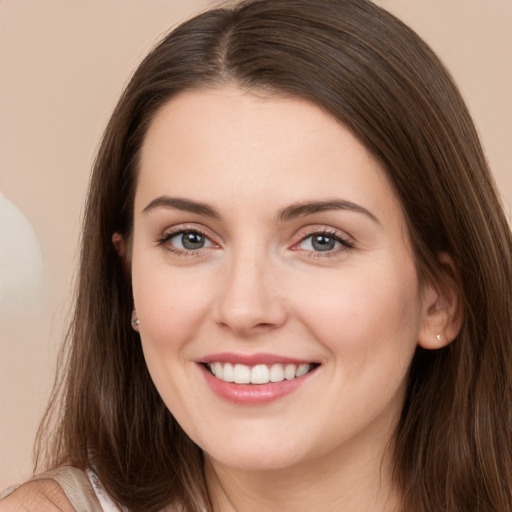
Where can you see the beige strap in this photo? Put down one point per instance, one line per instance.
(8, 491)
(76, 486)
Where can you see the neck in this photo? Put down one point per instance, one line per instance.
(352, 479)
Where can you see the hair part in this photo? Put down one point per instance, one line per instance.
(453, 447)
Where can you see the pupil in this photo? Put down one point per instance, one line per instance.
(323, 243)
(192, 240)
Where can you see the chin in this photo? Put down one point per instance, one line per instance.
(257, 454)
(254, 461)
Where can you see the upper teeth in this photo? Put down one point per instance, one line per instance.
(259, 374)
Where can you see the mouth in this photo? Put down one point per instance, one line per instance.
(259, 373)
(256, 379)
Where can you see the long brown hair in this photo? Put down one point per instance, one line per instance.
(453, 445)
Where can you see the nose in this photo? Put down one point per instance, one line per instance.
(251, 300)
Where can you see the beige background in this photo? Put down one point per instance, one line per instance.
(62, 67)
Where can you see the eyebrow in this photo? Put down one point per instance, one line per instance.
(290, 212)
(186, 205)
(308, 208)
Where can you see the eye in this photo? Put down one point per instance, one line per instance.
(324, 242)
(186, 240)
(190, 240)
(319, 242)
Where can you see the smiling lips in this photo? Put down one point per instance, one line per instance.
(255, 379)
(258, 374)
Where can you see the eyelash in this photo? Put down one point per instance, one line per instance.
(344, 242)
(164, 241)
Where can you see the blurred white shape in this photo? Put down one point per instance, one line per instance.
(21, 259)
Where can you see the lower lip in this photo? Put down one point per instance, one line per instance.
(252, 394)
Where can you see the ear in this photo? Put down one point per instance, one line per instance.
(121, 245)
(442, 310)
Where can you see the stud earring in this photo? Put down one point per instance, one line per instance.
(438, 338)
(135, 320)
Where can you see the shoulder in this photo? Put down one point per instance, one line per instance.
(62, 489)
(44, 495)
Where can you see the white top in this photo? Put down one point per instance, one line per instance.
(105, 500)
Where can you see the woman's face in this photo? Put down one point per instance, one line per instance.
(269, 248)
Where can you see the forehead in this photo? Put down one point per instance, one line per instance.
(206, 142)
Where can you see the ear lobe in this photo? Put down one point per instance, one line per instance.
(135, 321)
(442, 311)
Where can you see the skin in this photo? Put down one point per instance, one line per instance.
(40, 496)
(258, 285)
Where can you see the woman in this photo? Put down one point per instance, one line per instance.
(295, 281)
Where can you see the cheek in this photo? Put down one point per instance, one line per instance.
(369, 325)
(170, 306)
(365, 316)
